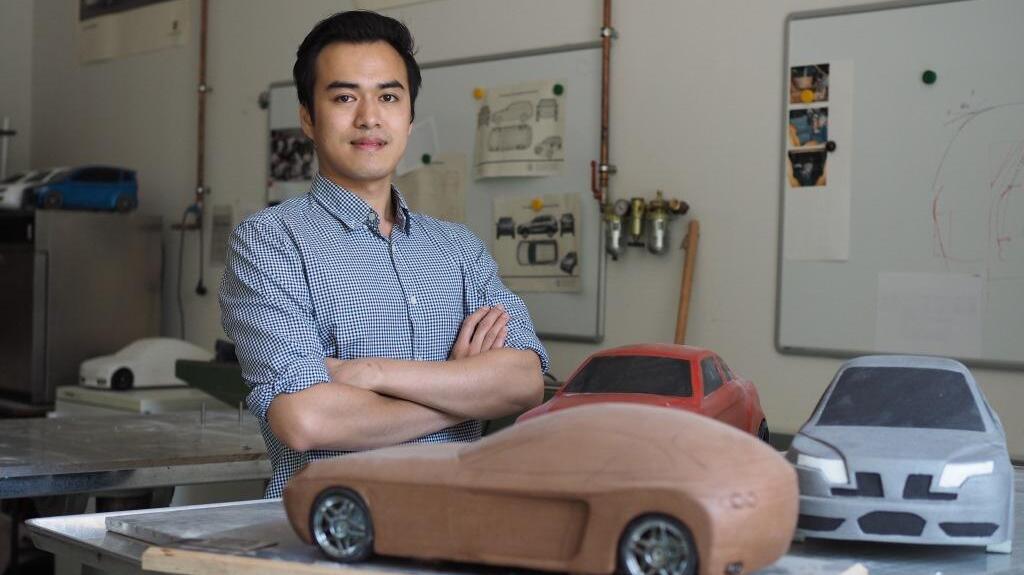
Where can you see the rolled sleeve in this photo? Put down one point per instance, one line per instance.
(491, 291)
(267, 311)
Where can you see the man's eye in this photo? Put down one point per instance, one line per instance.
(389, 98)
(343, 98)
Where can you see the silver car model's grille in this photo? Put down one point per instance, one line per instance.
(891, 523)
(918, 487)
(868, 485)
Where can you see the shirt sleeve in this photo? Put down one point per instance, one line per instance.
(267, 311)
(491, 291)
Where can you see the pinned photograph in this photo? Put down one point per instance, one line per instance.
(291, 156)
(808, 128)
(806, 168)
(808, 84)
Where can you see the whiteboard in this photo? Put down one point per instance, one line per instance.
(446, 100)
(933, 175)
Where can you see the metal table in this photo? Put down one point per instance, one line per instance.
(58, 456)
(85, 539)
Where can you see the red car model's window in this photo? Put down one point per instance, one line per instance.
(712, 379)
(633, 374)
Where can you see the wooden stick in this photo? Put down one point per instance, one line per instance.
(690, 245)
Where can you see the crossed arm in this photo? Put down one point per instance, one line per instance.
(374, 402)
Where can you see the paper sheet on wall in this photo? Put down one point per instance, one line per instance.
(292, 164)
(521, 130)
(938, 314)
(537, 250)
(116, 28)
(438, 189)
(422, 144)
(817, 186)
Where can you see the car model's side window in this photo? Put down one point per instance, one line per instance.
(725, 368)
(712, 379)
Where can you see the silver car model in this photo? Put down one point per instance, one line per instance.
(905, 449)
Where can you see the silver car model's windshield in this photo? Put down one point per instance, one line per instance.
(902, 397)
(634, 374)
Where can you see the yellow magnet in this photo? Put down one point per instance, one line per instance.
(807, 96)
(479, 93)
(537, 204)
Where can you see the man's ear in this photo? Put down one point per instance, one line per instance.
(306, 121)
(410, 129)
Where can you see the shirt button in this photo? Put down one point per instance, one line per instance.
(412, 300)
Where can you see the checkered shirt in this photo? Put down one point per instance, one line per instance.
(313, 278)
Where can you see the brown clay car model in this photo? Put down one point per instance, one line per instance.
(613, 487)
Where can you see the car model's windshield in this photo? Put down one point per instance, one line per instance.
(12, 179)
(902, 397)
(633, 374)
(37, 177)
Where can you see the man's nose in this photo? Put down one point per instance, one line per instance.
(368, 114)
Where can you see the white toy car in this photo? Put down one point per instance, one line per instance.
(12, 190)
(147, 362)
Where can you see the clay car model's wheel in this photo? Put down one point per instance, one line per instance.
(341, 525)
(762, 432)
(53, 200)
(657, 544)
(124, 204)
(122, 379)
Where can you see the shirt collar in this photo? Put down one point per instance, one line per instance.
(352, 210)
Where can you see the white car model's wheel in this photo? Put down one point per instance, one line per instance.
(341, 525)
(657, 544)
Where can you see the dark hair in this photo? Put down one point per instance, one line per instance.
(355, 27)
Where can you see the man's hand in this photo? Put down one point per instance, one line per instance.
(483, 330)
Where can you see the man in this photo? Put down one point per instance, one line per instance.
(358, 323)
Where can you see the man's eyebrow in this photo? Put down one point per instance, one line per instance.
(338, 85)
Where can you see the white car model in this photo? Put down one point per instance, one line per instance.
(12, 190)
(147, 362)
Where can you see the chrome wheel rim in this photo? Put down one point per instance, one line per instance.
(657, 546)
(341, 527)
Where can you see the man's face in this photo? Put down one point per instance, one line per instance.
(363, 113)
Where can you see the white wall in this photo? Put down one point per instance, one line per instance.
(696, 90)
(16, 80)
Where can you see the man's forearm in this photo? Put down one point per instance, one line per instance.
(341, 417)
(492, 384)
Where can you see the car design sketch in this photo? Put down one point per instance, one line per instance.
(678, 494)
(668, 375)
(537, 252)
(547, 108)
(905, 449)
(542, 224)
(548, 146)
(506, 227)
(568, 263)
(91, 188)
(567, 224)
(507, 138)
(520, 112)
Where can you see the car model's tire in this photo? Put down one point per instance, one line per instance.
(341, 525)
(53, 201)
(762, 432)
(657, 544)
(122, 379)
(124, 204)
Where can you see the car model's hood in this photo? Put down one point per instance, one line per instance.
(574, 399)
(864, 444)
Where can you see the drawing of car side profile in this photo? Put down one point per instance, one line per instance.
(91, 188)
(506, 227)
(537, 252)
(542, 224)
(506, 138)
(905, 449)
(631, 489)
(547, 108)
(520, 112)
(567, 224)
(548, 146)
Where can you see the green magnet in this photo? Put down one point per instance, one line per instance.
(929, 77)
(558, 89)
(425, 158)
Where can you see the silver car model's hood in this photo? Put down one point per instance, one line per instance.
(865, 444)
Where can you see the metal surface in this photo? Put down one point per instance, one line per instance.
(85, 538)
(87, 454)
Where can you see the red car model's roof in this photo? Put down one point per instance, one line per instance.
(657, 349)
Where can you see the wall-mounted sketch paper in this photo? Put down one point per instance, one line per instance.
(292, 164)
(378, 5)
(521, 130)
(537, 250)
(422, 143)
(438, 189)
(114, 28)
(817, 186)
(937, 314)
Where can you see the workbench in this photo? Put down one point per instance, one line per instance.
(233, 528)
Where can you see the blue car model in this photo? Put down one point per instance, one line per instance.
(90, 188)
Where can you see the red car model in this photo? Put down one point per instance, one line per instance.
(679, 376)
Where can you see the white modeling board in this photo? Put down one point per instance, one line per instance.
(934, 259)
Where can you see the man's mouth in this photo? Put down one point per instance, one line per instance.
(369, 144)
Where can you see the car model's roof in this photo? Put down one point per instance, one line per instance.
(922, 361)
(657, 349)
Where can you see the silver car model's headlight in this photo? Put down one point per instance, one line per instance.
(954, 474)
(834, 470)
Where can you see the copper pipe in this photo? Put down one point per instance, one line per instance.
(690, 245)
(601, 194)
(202, 91)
